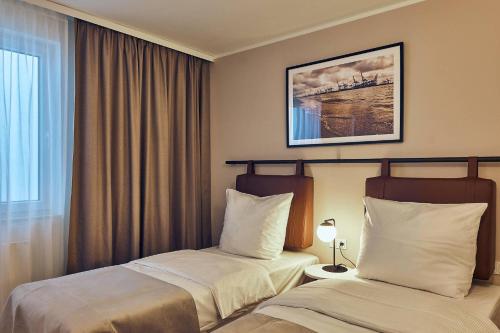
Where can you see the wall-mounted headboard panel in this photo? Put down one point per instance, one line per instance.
(299, 232)
(443, 191)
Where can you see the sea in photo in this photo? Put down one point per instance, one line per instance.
(356, 112)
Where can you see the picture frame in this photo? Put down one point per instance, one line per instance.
(355, 98)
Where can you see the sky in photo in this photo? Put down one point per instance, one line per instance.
(325, 77)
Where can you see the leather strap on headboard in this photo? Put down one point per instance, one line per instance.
(250, 168)
(299, 168)
(299, 232)
(385, 168)
(446, 191)
(472, 168)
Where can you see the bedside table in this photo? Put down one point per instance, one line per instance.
(316, 272)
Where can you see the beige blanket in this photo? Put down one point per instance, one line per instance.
(112, 299)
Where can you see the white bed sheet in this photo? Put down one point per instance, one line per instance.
(483, 300)
(285, 272)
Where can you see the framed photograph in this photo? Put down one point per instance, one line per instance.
(351, 99)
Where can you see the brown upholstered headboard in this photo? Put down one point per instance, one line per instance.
(447, 190)
(299, 231)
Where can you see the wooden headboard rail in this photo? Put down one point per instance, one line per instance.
(443, 191)
(299, 232)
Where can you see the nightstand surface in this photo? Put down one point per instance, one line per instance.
(316, 272)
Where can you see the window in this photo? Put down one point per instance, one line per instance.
(36, 132)
(19, 127)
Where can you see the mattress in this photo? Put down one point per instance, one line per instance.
(483, 301)
(285, 272)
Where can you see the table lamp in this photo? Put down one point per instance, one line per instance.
(327, 232)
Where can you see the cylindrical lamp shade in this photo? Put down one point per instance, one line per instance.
(326, 232)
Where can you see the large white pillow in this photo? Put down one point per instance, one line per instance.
(419, 245)
(255, 226)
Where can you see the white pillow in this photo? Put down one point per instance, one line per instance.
(419, 245)
(255, 226)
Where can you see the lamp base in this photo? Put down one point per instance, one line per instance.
(335, 269)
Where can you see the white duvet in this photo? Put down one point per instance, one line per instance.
(357, 305)
(233, 283)
(285, 273)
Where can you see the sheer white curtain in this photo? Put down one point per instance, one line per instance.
(36, 135)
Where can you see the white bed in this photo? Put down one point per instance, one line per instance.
(285, 273)
(482, 302)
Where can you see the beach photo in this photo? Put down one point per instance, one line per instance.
(355, 98)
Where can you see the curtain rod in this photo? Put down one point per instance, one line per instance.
(461, 159)
(68, 11)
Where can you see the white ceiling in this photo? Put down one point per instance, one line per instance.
(221, 27)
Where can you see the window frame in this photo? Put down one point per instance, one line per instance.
(42, 49)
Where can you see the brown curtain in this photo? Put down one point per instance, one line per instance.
(141, 172)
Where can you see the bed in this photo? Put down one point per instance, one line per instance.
(285, 273)
(348, 303)
(182, 291)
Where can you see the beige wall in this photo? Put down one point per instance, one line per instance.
(452, 92)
